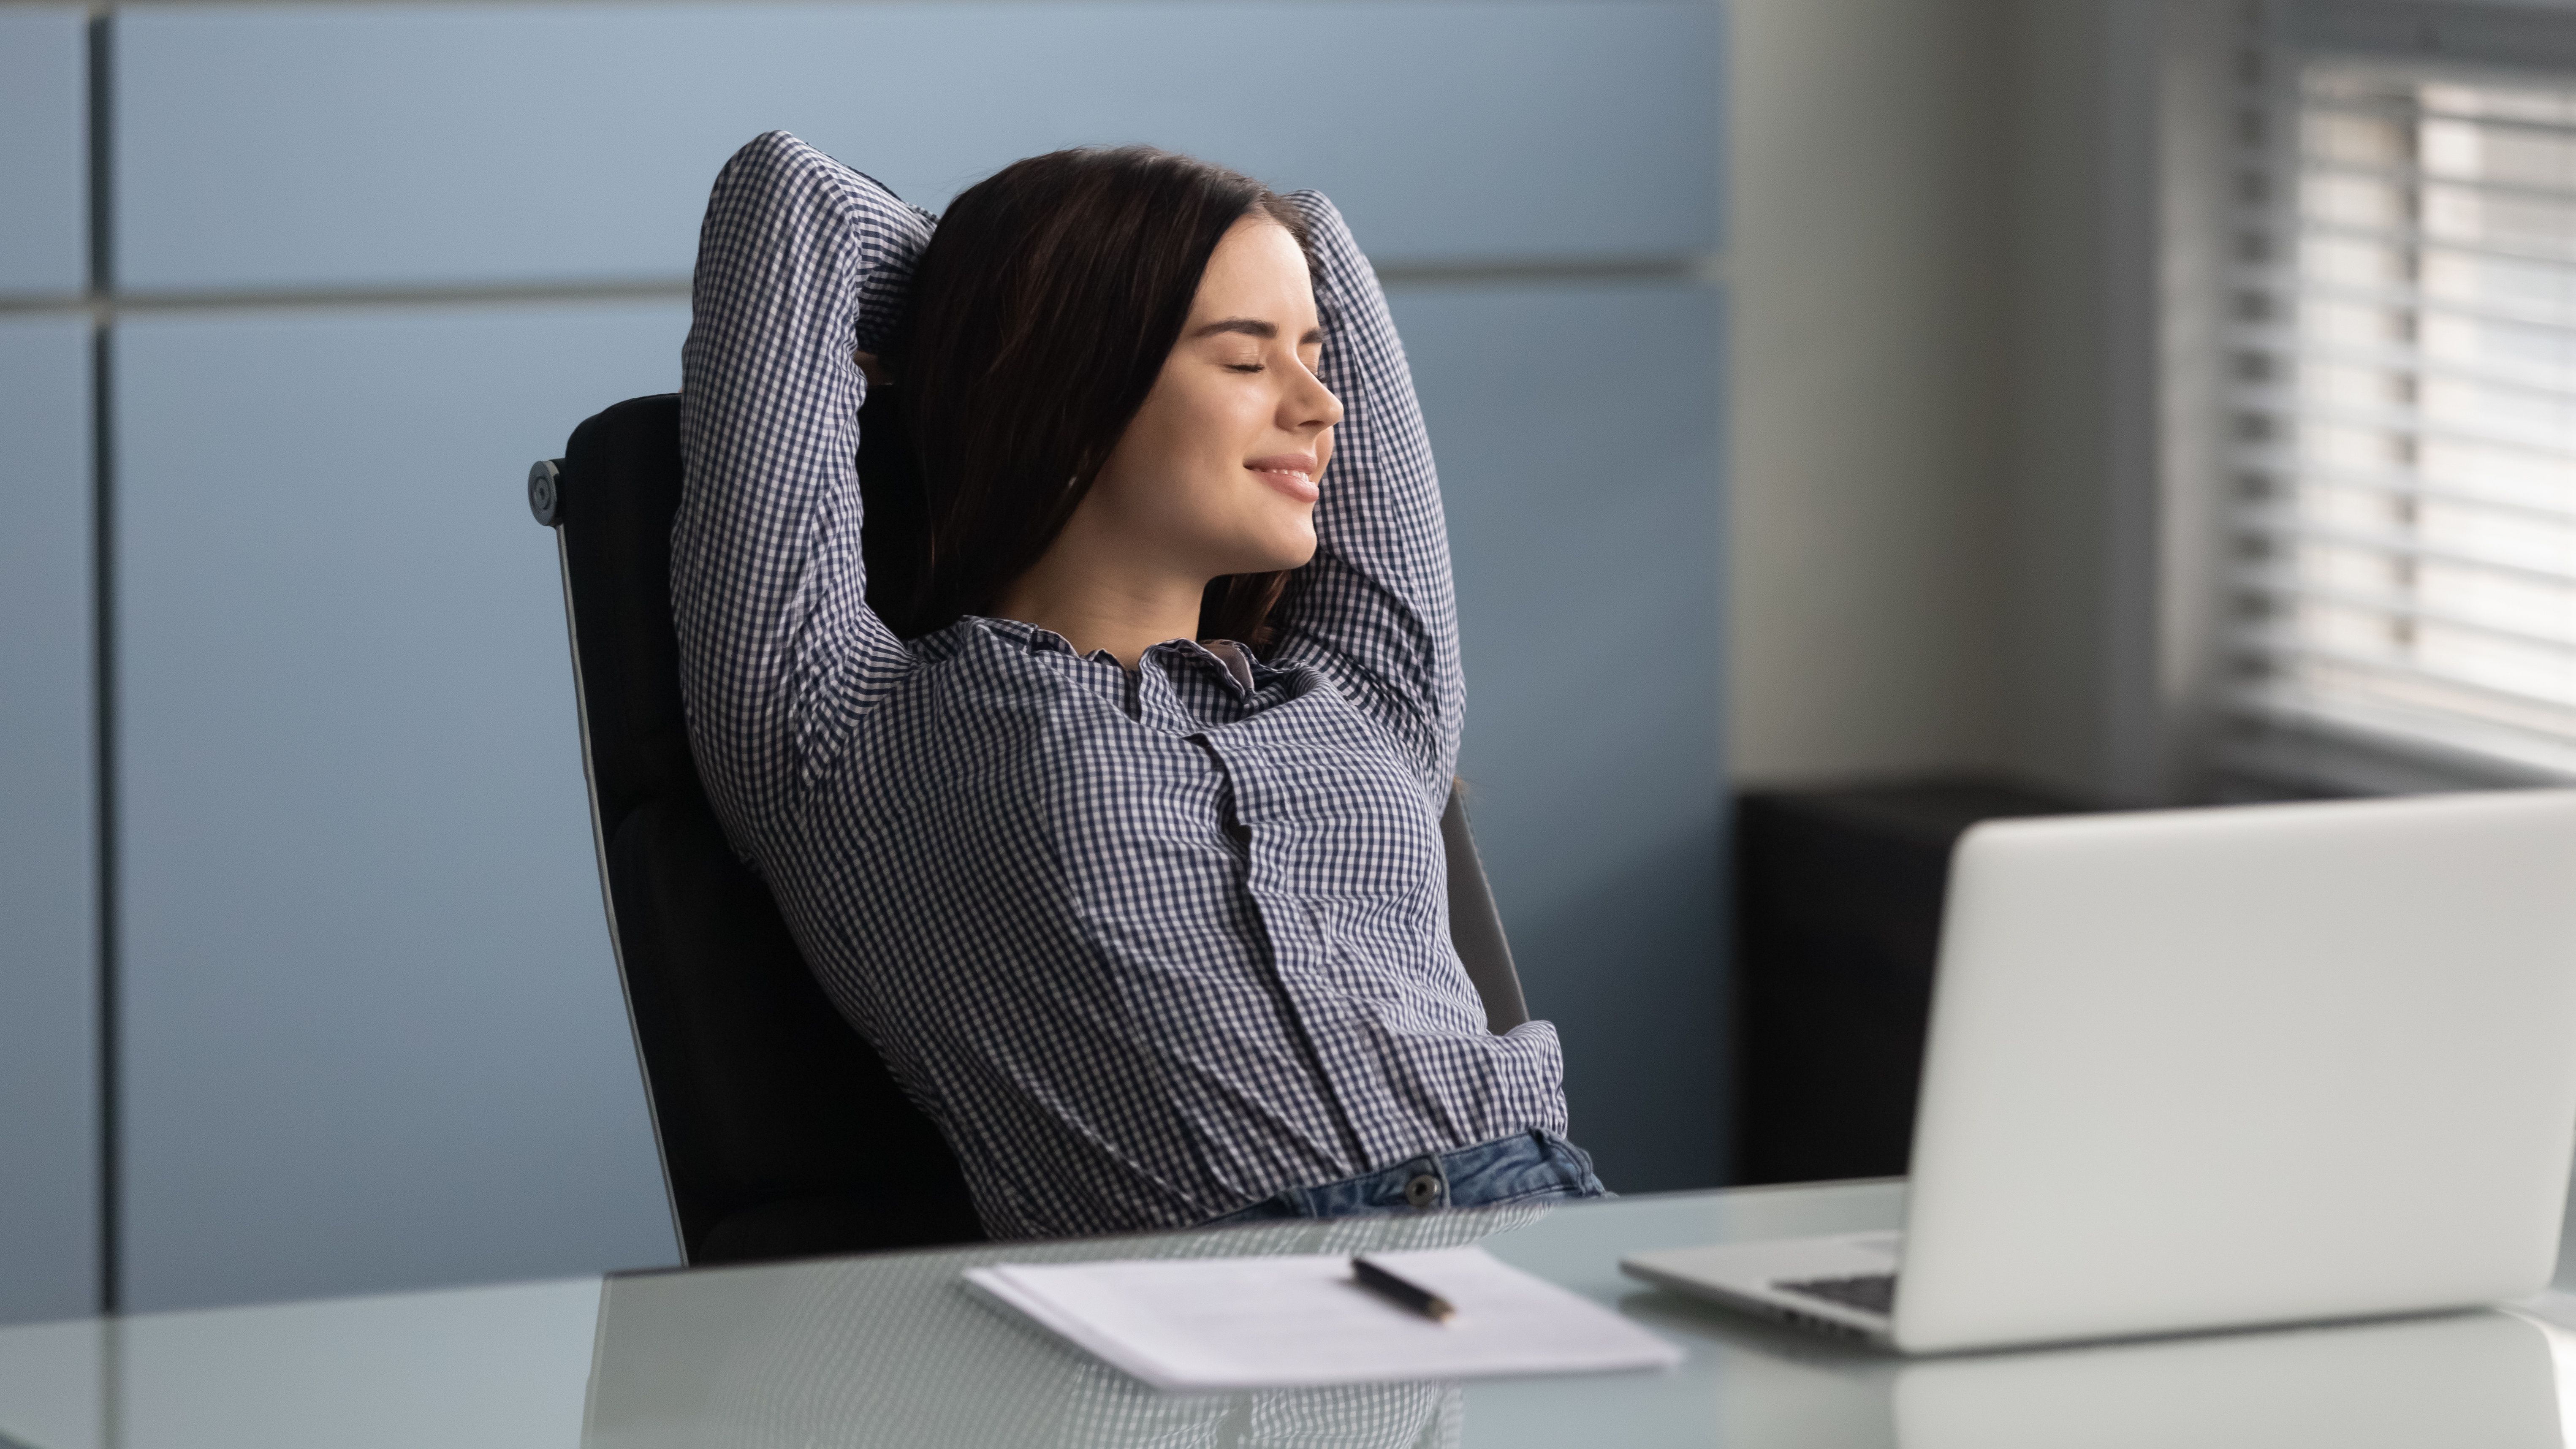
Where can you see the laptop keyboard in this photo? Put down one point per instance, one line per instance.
(1869, 1292)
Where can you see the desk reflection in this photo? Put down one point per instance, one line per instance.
(2467, 1381)
(2482, 1380)
(898, 1351)
(893, 1350)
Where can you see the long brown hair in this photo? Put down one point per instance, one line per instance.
(1043, 311)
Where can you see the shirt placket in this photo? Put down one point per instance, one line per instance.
(1277, 877)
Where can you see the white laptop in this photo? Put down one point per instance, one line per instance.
(2197, 1069)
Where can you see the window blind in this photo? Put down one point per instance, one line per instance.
(2403, 398)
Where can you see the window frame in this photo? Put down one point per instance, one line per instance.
(2173, 671)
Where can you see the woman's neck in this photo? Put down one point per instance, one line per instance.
(1096, 604)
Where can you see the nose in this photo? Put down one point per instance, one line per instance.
(1310, 404)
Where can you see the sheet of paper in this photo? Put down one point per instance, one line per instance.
(1196, 1324)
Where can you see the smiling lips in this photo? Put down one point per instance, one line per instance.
(1290, 473)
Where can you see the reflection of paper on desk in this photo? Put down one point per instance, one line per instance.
(1259, 1323)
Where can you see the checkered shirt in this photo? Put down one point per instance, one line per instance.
(1149, 947)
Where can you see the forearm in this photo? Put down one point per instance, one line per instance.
(800, 262)
(1376, 610)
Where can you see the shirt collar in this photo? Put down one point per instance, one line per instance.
(1029, 636)
(1233, 660)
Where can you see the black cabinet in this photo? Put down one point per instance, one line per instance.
(1838, 918)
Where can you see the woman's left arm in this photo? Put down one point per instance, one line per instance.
(1375, 611)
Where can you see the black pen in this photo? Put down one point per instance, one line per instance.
(1396, 1290)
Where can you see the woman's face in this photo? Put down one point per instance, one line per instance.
(1217, 474)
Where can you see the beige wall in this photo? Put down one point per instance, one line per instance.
(2057, 633)
(1916, 561)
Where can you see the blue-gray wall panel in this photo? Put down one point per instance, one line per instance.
(48, 850)
(392, 145)
(372, 1030)
(44, 149)
(1577, 433)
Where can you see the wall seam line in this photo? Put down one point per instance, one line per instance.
(103, 666)
(105, 303)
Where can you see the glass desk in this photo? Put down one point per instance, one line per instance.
(892, 1350)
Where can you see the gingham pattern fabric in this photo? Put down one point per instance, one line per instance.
(1149, 947)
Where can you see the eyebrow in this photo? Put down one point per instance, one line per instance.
(1253, 327)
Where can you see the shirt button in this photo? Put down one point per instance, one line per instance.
(1422, 1190)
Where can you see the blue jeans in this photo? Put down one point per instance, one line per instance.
(1525, 1167)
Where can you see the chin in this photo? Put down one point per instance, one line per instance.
(1295, 556)
(1276, 553)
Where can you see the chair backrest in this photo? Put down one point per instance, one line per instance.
(782, 1134)
(1475, 926)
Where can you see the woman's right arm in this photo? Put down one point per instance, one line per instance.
(802, 263)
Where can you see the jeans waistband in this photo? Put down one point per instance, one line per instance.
(1518, 1168)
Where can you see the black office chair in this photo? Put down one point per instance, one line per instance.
(781, 1132)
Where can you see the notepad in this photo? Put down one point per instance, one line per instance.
(1207, 1324)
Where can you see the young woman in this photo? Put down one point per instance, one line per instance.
(1114, 822)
